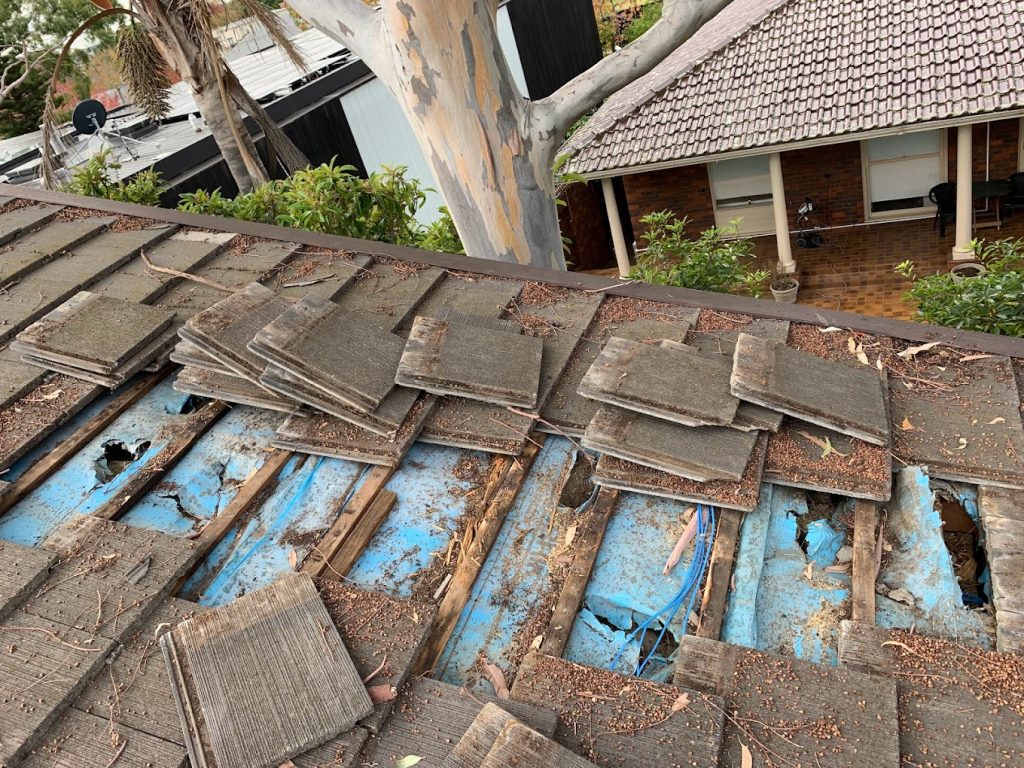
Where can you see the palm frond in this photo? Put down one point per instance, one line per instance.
(273, 25)
(144, 70)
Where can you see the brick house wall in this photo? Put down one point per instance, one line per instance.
(831, 177)
(685, 191)
(1003, 145)
(584, 221)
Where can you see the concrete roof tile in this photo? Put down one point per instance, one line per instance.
(817, 69)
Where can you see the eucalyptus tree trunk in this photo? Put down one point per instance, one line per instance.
(491, 150)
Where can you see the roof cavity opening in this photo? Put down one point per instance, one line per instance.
(963, 540)
(190, 404)
(819, 531)
(577, 488)
(116, 457)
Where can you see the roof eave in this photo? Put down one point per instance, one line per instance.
(840, 138)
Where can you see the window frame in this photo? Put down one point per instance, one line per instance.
(921, 212)
(762, 204)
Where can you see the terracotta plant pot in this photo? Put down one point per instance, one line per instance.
(784, 289)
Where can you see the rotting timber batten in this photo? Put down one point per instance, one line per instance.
(260, 496)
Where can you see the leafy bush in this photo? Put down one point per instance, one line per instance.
(441, 236)
(992, 303)
(94, 179)
(647, 19)
(718, 260)
(333, 199)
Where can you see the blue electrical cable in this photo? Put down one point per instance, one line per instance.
(687, 592)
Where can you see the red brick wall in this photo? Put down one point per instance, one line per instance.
(685, 191)
(1003, 143)
(584, 221)
(832, 177)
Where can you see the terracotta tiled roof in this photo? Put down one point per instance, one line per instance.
(763, 74)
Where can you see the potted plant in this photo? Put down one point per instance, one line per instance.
(967, 269)
(784, 288)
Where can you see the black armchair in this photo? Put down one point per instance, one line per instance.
(1015, 199)
(944, 197)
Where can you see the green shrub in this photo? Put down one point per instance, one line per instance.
(992, 303)
(647, 19)
(334, 199)
(718, 260)
(94, 179)
(441, 235)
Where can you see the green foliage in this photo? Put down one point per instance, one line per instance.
(992, 303)
(333, 199)
(441, 236)
(43, 25)
(94, 179)
(648, 18)
(718, 260)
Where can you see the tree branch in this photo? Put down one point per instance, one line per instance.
(354, 24)
(552, 116)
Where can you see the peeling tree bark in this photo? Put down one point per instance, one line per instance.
(491, 151)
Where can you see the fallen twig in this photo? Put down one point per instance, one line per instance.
(184, 275)
(377, 671)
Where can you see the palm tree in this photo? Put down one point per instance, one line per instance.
(177, 35)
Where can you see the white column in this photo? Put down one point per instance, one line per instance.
(786, 264)
(615, 224)
(964, 199)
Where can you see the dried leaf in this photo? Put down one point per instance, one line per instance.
(746, 759)
(809, 571)
(838, 568)
(851, 344)
(830, 329)
(909, 352)
(496, 678)
(408, 761)
(961, 444)
(570, 534)
(998, 420)
(538, 641)
(682, 702)
(906, 426)
(52, 395)
(861, 356)
(878, 364)
(969, 358)
(287, 764)
(293, 559)
(381, 693)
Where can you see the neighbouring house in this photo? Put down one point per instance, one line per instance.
(855, 110)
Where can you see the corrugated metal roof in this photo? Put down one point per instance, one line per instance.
(269, 71)
(763, 74)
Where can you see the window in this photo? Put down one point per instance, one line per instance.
(742, 189)
(899, 171)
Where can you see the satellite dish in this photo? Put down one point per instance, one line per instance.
(89, 116)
